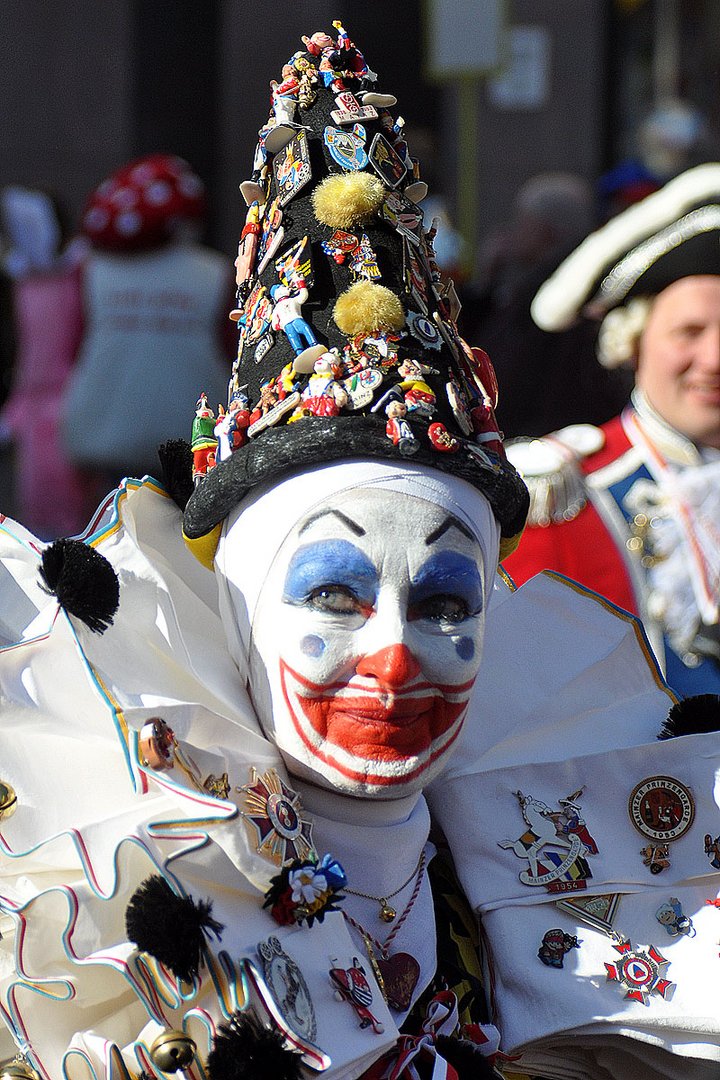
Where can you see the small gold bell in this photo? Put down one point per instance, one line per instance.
(387, 912)
(17, 1069)
(8, 800)
(172, 1050)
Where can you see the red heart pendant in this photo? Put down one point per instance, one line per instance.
(400, 974)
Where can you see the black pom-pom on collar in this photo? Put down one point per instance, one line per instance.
(171, 928)
(245, 1049)
(696, 715)
(83, 581)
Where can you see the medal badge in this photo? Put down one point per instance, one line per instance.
(640, 972)
(291, 167)
(347, 148)
(661, 809)
(386, 162)
(274, 815)
(288, 987)
(556, 844)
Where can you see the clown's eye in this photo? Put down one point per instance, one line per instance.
(335, 600)
(440, 608)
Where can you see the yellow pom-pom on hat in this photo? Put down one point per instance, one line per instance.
(342, 201)
(365, 308)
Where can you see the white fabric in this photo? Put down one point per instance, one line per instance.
(78, 700)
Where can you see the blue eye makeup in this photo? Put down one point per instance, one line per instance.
(327, 566)
(448, 586)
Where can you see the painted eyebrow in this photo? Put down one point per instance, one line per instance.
(348, 522)
(450, 522)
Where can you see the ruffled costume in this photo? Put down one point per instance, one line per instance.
(576, 708)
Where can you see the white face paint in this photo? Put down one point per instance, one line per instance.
(366, 641)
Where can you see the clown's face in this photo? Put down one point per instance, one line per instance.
(366, 642)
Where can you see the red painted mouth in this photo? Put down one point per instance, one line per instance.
(374, 735)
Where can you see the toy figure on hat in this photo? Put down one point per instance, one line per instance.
(326, 657)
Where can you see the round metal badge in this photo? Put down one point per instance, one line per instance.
(661, 808)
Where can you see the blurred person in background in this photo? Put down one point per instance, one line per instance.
(46, 489)
(156, 306)
(551, 214)
(632, 509)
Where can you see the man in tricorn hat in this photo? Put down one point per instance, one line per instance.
(632, 509)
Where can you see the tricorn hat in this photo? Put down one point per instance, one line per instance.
(348, 342)
(673, 233)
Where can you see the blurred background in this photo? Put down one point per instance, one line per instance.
(534, 120)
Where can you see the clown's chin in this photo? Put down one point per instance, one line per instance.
(362, 747)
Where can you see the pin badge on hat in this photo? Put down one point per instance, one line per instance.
(424, 330)
(272, 234)
(292, 167)
(386, 162)
(347, 148)
(662, 809)
(350, 111)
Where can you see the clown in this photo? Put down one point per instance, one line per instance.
(317, 638)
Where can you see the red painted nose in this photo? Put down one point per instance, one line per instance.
(392, 666)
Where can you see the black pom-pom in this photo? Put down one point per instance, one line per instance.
(171, 928)
(83, 581)
(176, 462)
(466, 1058)
(696, 715)
(245, 1049)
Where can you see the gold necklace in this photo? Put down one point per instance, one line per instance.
(387, 912)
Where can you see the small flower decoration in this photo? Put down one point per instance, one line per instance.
(304, 890)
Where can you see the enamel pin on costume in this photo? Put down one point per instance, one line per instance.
(641, 972)
(556, 844)
(288, 987)
(275, 812)
(351, 985)
(662, 809)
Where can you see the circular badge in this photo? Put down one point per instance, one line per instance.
(288, 987)
(283, 816)
(661, 808)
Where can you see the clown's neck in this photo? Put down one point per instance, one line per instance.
(352, 810)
